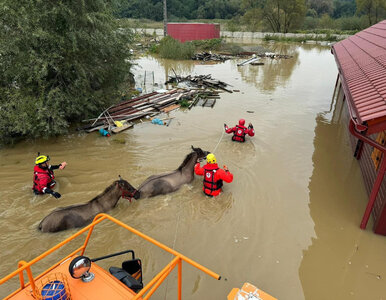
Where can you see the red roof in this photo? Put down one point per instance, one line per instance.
(361, 60)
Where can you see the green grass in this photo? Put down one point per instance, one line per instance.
(184, 103)
(327, 38)
(206, 45)
(327, 31)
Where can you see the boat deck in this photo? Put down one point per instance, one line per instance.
(103, 286)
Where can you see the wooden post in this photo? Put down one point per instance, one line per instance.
(165, 19)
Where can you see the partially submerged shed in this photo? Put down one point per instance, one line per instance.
(193, 31)
(361, 61)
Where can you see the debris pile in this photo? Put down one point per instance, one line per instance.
(200, 81)
(255, 58)
(274, 55)
(133, 109)
(118, 117)
(207, 56)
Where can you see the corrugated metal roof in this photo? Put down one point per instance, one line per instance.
(361, 60)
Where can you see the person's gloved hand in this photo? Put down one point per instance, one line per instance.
(56, 195)
(226, 168)
(62, 165)
(250, 125)
(225, 126)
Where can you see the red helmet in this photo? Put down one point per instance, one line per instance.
(241, 122)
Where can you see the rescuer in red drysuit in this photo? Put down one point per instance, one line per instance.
(240, 131)
(213, 176)
(44, 177)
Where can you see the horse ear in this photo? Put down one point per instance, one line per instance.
(120, 178)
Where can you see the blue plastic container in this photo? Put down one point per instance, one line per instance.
(104, 132)
(157, 121)
(54, 290)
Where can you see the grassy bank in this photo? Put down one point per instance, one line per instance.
(301, 39)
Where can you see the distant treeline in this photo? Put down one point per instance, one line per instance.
(180, 9)
(266, 15)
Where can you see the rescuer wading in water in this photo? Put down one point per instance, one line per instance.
(44, 177)
(240, 131)
(213, 176)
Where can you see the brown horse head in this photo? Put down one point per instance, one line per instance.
(128, 191)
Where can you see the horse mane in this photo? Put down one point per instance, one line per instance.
(185, 162)
(108, 189)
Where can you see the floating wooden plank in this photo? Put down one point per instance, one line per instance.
(248, 61)
(121, 128)
(257, 63)
(209, 103)
(96, 128)
(170, 108)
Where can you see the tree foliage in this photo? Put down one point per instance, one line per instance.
(179, 9)
(59, 61)
(282, 15)
(263, 15)
(321, 6)
(344, 8)
(375, 10)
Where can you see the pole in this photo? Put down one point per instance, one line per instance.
(374, 193)
(165, 19)
(380, 175)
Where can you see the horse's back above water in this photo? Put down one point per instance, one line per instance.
(79, 215)
(171, 181)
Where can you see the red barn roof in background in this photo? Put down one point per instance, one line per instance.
(361, 60)
(193, 31)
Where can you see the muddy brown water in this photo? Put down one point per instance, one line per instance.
(288, 223)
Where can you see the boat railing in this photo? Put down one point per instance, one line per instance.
(149, 289)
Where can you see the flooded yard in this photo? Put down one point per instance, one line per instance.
(288, 223)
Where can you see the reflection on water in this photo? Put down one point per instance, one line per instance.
(274, 72)
(337, 203)
(151, 73)
(271, 226)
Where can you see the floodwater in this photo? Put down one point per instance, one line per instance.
(288, 223)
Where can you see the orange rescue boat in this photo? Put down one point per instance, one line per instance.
(78, 277)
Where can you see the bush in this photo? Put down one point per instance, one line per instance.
(173, 49)
(352, 23)
(212, 44)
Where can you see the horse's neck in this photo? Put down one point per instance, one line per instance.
(110, 199)
(190, 164)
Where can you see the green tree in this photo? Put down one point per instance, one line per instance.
(375, 10)
(344, 8)
(59, 61)
(283, 15)
(321, 6)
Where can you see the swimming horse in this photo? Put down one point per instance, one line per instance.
(171, 181)
(79, 215)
